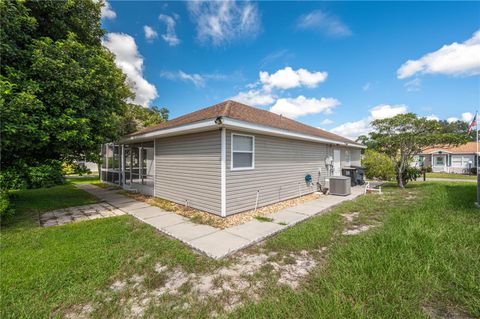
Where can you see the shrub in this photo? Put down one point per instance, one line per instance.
(74, 168)
(68, 168)
(14, 178)
(410, 174)
(473, 171)
(6, 209)
(378, 165)
(46, 175)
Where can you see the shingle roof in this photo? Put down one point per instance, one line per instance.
(242, 112)
(470, 147)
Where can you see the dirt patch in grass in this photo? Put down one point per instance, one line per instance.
(437, 311)
(237, 282)
(202, 217)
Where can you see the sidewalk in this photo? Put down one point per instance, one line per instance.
(214, 242)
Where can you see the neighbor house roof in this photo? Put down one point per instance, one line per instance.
(470, 147)
(238, 111)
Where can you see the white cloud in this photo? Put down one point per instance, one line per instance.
(457, 59)
(366, 86)
(467, 117)
(452, 119)
(196, 79)
(326, 122)
(130, 61)
(325, 23)
(300, 106)
(384, 111)
(221, 22)
(413, 85)
(254, 98)
(354, 129)
(150, 34)
(107, 11)
(288, 78)
(199, 80)
(432, 117)
(170, 36)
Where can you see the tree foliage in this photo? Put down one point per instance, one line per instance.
(458, 127)
(378, 165)
(62, 95)
(405, 135)
(138, 117)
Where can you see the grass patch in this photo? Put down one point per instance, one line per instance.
(31, 202)
(426, 252)
(421, 258)
(451, 176)
(46, 271)
(264, 219)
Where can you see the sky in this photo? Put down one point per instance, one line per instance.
(332, 65)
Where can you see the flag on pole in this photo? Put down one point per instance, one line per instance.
(473, 124)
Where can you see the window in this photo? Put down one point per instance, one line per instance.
(439, 161)
(243, 155)
(348, 159)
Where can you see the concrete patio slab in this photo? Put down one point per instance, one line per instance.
(129, 206)
(219, 244)
(148, 212)
(254, 230)
(118, 200)
(211, 241)
(188, 231)
(166, 220)
(307, 209)
(289, 217)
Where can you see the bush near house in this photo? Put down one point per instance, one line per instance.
(6, 209)
(22, 176)
(378, 166)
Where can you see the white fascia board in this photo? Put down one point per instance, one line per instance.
(200, 126)
(250, 127)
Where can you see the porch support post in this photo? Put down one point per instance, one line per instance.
(223, 175)
(140, 164)
(131, 164)
(122, 171)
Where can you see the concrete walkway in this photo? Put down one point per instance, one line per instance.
(432, 179)
(214, 242)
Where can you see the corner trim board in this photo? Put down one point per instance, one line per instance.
(223, 175)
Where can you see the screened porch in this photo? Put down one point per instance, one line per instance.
(130, 166)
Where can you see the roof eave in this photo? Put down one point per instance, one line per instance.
(234, 124)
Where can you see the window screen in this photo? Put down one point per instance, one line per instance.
(242, 151)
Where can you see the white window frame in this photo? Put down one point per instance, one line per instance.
(232, 151)
(348, 158)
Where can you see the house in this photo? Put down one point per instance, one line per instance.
(227, 158)
(450, 159)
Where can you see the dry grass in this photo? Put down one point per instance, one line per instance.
(202, 217)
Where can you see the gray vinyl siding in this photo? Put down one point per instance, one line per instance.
(187, 168)
(280, 169)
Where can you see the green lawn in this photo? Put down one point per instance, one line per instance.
(422, 257)
(46, 271)
(452, 176)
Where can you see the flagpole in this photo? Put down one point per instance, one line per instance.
(476, 164)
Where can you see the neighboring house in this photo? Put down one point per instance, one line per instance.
(92, 166)
(450, 159)
(227, 158)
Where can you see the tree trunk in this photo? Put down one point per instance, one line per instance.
(400, 178)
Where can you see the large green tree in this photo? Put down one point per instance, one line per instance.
(61, 92)
(405, 135)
